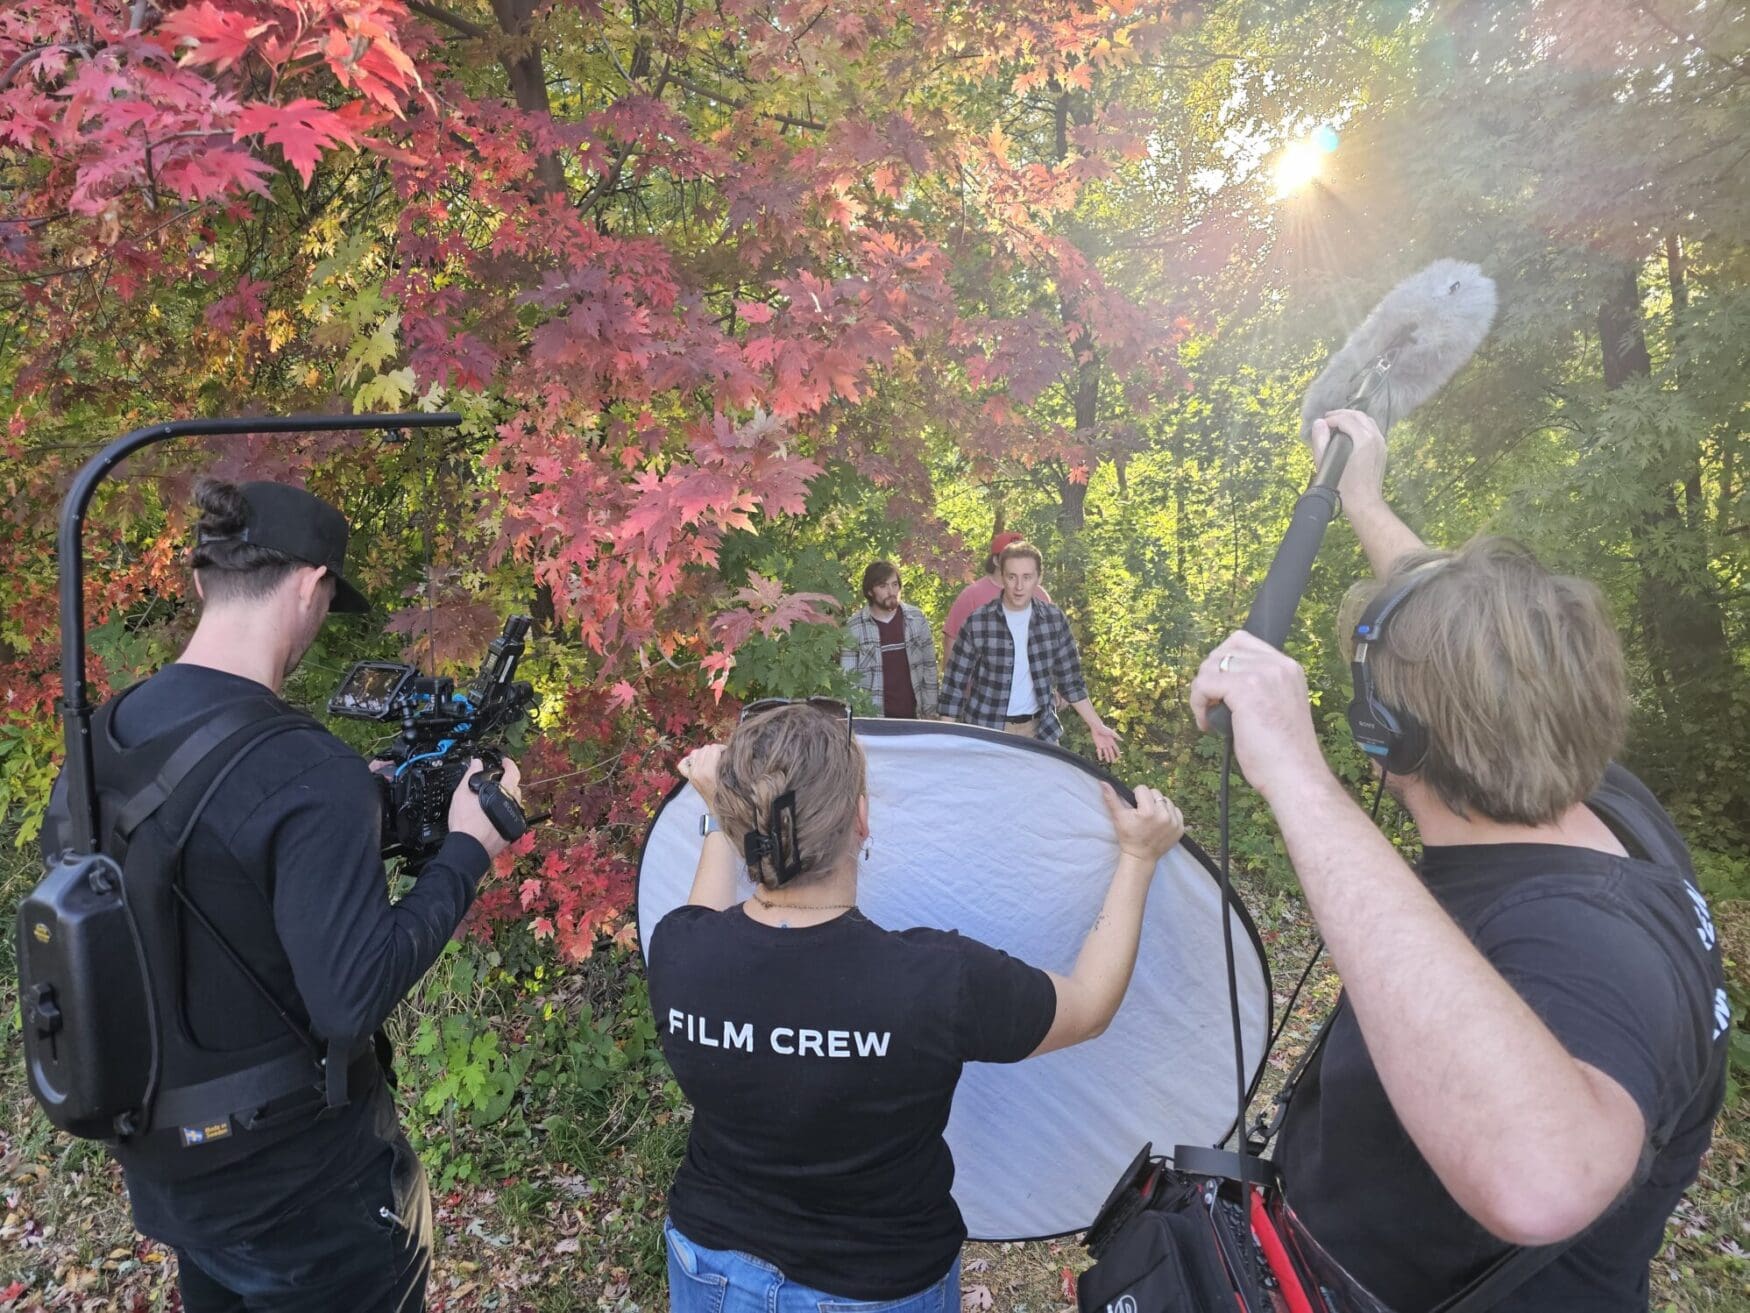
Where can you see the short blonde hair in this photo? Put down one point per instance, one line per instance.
(1516, 672)
(796, 747)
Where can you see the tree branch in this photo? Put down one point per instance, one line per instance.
(455, 22)
(1736, 66)
(12, 69)
(687, 84)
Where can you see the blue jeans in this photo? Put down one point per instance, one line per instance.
(704, 1280)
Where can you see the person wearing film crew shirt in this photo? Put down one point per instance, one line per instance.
(820, 1051)
(1530, 1045)
(331, 1212)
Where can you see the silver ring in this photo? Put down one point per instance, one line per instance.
(1226, 663)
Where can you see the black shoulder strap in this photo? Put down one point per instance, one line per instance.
(1637, 825)
(246, 726)
(190, 753)
(1634, 816)
(1505, 1275)
(1263, 1133)
(252, 733)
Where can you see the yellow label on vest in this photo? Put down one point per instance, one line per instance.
(41, 932)
(193, 1135)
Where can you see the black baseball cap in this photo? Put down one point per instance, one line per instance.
(301, 524)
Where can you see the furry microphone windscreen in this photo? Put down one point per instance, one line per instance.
(1434, 321)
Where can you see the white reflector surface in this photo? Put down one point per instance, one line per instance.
(1007, 840)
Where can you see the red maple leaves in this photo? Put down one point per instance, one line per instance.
(664, 351)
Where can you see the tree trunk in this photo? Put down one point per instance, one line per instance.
(527, 71)
(1676, 270)
(1072, 496)
(1683, 623)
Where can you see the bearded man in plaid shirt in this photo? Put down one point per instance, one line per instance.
(1011, 655)
(890, 649)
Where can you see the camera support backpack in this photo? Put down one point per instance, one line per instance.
(108, 1053)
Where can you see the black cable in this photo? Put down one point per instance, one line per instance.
(1227, 943)
(1248, 1254)
(1294, 996)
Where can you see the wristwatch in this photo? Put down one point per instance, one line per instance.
(709, 824)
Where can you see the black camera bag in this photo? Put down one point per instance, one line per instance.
(1159, 1250)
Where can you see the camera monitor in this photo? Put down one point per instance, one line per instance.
(371, 691)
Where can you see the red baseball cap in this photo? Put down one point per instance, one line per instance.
(1006, 539)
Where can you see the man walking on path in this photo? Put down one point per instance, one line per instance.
(1011, 656)
(981, 592)
(892, 650)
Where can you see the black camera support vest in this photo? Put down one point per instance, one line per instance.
(226, 1103)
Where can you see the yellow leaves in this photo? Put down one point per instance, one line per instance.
(385, 391)
(373, 350)
(998, 145)
(280, 329)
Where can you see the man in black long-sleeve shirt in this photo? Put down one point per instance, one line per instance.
(285, 862)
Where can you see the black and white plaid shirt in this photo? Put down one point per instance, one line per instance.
(982, 667)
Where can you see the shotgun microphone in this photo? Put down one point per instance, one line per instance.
(1417, 338)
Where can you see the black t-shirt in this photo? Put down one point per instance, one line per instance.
(285, 861)
(1618, 958)
(821, 1064)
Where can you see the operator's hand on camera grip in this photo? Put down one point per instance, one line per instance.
(1265, 691)
(467, 815)
(1363, 478)
(699, 768)
(1148, 830)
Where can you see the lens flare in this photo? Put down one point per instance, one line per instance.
(1299, 164)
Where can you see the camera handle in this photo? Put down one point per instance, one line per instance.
(505, 813)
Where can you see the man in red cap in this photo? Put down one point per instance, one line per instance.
(980, 592)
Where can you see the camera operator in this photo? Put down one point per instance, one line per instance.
(1530, 1045)
(308, 1208)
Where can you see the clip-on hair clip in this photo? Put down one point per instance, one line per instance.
(777, 843)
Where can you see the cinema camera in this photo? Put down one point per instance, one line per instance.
(441, 730)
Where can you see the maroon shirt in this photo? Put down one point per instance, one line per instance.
(898, 697)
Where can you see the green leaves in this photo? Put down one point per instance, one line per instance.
(467, 1069)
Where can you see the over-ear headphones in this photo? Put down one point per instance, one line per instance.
(1393, 738)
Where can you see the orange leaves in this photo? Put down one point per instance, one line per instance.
(122, 129)
(365, 55)
(717, 665)
(357, 40)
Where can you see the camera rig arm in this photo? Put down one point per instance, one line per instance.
(76, 709)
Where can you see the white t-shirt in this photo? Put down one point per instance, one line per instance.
(1023, 701)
